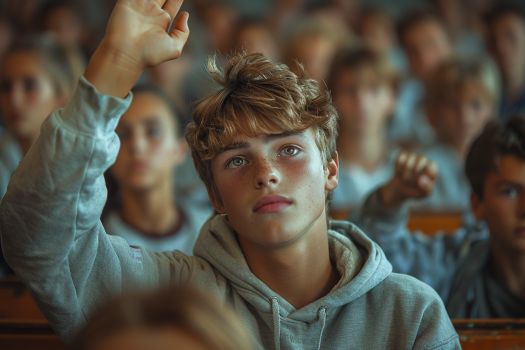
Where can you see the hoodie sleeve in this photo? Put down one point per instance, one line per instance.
(50, 225)
(431, 259)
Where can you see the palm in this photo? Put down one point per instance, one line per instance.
(137, 28)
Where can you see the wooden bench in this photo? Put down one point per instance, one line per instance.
(427, 222)
(28, 334)
(16, 302)
(491, 334)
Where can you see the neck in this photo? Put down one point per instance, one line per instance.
(366, 151)
(515, 83)
(509, 269)
(300, 272)
(152, 210)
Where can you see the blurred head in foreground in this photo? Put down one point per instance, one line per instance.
(181, 318)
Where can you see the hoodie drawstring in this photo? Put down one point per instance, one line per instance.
(322, 318)
(276, 324)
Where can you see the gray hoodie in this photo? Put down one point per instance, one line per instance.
(52, 237)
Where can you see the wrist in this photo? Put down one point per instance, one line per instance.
(112, 72)
(390, 197)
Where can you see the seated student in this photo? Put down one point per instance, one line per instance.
(142, 206)
(477, 277)
(425, 39)
(362, 87)
(462, 98)
(506, 41)
(36, 79)
(264, 144)
(175, 318)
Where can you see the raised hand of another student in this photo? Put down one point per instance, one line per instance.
(414, 177)
(136, 38)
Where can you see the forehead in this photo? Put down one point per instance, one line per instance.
(508, 168)
(21, 63)
(424, 30)
(147, 106)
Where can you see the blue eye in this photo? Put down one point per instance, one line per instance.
(236, 162)
(154, 132)
(289, 151)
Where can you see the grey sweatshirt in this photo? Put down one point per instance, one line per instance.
(52, 237)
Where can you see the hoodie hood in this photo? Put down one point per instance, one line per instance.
(360, 262)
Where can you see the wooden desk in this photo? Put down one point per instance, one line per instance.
(491, 334)
(16, 302)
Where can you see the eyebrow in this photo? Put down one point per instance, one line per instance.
(508, 183)
(267, 139)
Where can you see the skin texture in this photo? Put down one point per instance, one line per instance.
(288, 249)
(426, 44)
(150, 149)
(27, 96)
(143, 338)
(507, 45)
(503, 208)
(461, 116)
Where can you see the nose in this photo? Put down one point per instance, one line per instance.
(138, 143)
(265, 174)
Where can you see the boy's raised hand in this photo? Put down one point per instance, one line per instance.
(135, 39)
(414, 177)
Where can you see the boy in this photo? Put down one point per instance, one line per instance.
(462, 98)
(363, 91)
(477, 277)
(506, 42)
(264, 146)
(425, 39)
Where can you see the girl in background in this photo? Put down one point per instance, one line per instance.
(142, 206)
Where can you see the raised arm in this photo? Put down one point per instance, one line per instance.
(384, 217)
(50, 216)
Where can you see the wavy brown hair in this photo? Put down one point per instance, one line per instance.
(257, 96)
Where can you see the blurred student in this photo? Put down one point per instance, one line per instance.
(255, 35)
(477, 276)
(36, 78)
(426, 41)
(264, 144)
(142, 206)
(377, 28)
(313, 44)
(363, 92)
(506, 42)
(462, 98)
(176, 318)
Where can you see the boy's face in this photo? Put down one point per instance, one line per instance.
(503, 204)
(273, 186)
(427, 45)
(507, 42)
(462, 115)
(363, 101)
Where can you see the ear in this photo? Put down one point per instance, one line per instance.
(478, 206)
(332, 174)
(218, 207)
(180, 152)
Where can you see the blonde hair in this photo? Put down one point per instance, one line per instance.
(184, 308)
(257, 96)
(452, 74)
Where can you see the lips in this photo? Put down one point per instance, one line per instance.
(271, 204)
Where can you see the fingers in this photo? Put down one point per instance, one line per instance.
(416, 170)
(172, 7)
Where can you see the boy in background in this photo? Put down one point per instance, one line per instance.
(363, 91)
(424, 37)
(506, 42)
(477, 276)
(264, 145)
(462, 98)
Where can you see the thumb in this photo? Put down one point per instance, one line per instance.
(425, 183)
